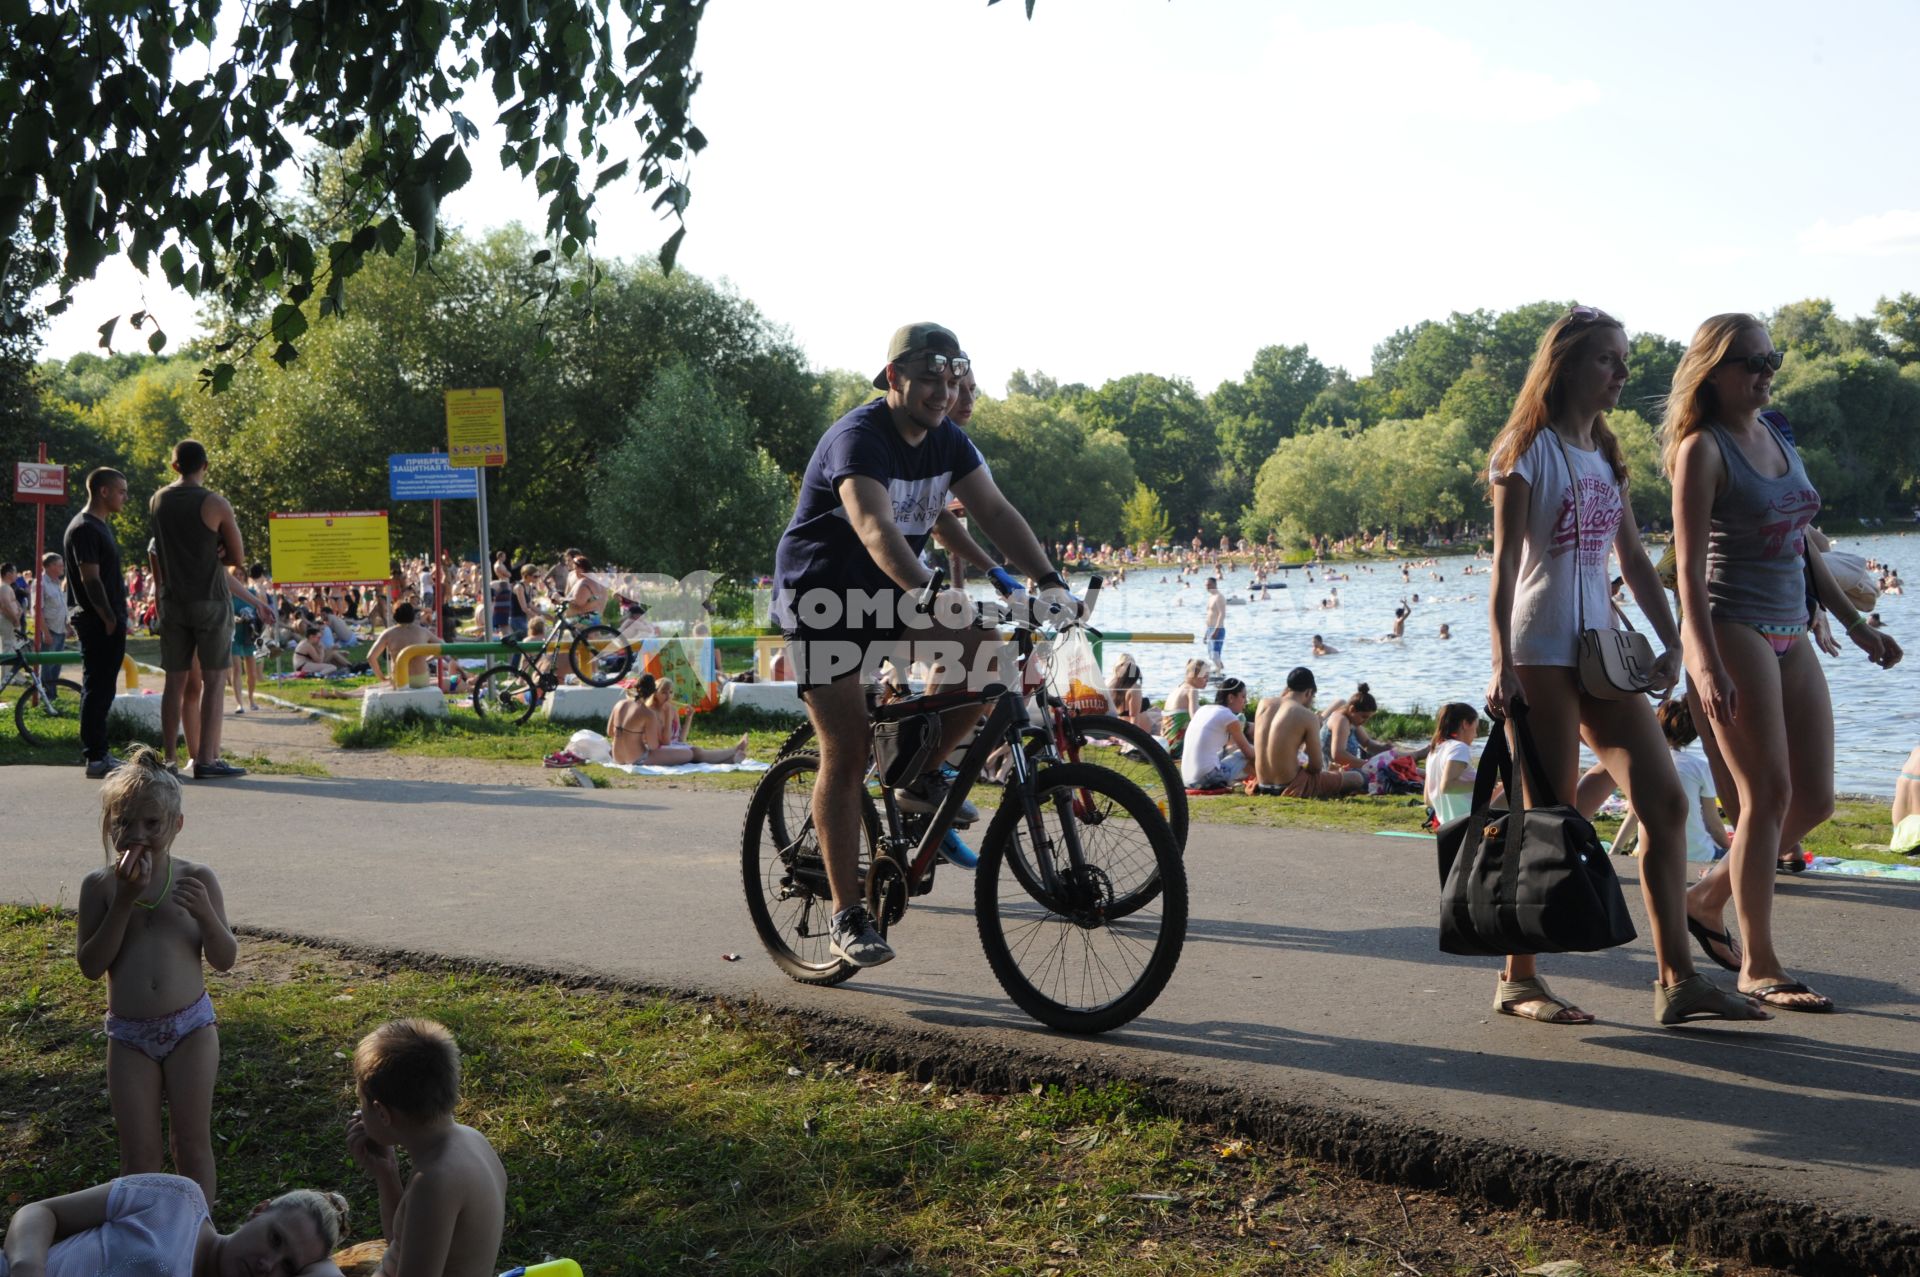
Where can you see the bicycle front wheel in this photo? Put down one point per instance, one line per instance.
(48, 712)
(1054, 941)
(601, 655)
(505, 694)
(785, 875)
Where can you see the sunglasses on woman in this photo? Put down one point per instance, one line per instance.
(1759, 363)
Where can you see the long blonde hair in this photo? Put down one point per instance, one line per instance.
(1690, 404)
(1541, 395)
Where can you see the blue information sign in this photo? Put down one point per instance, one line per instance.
(428, 476)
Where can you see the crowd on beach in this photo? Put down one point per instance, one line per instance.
(1753, 594)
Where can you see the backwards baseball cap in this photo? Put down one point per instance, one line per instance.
(910, 339)
(1300, 679)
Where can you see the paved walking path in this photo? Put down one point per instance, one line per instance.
(1310, 973)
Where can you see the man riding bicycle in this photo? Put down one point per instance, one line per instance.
(876, 487)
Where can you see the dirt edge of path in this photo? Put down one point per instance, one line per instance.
(1645, 1206)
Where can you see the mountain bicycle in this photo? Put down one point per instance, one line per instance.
(40, 698)
(599, 655)
(1080, 893)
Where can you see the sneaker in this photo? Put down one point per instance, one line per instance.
(101, 768)
(854, 939)
(218, 769)
(924, 796)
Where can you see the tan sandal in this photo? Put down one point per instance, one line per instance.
(1698, 998)
(1513, 997)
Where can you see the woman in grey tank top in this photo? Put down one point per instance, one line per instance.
(1741, 507)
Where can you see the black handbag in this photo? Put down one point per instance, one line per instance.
(1535, 880)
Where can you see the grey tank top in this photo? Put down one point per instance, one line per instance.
(189, 549)
(1756, 543)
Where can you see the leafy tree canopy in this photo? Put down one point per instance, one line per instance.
(119, 141)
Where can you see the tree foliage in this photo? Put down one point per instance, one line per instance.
(1169, 434)
(1063, 476)
(317, 435)
(687, 489)
(1144, 520)
(121, 140)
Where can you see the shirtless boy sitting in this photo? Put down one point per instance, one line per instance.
(446, 1220)
(638, 735)
(397, 638)
(1283, 726)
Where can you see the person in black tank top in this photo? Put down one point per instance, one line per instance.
(193, 528)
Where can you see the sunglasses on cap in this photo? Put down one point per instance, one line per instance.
(1758, 363)
(940, 365)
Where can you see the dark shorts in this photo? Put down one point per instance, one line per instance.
(822, 657)
(204, 629)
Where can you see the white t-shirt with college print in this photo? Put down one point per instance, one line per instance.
(1547, 618)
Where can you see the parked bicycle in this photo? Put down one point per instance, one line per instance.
(41, 700)
(1080, 894)
(598, 655)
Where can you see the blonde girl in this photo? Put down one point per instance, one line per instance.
(1559, 504)
(147, 919)
(1741, 506)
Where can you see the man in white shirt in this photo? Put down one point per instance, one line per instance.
(53, 601)
(1217, 751)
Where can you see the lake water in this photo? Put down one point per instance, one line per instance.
(1876, 712)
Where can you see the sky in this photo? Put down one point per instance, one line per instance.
(1167, 186)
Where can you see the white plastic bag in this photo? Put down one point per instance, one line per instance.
(1851, 574)
(1073, 673)
(590, 747)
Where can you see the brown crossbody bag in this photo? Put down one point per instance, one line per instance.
(1613, 664)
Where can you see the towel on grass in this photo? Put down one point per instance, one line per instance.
(686, 769)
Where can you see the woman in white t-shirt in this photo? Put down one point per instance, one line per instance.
(1450, 771)
(1559, 504)
(1707, 838)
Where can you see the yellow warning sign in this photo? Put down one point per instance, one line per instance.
(339, 548)
(476, 428)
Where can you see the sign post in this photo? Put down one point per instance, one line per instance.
(43, 485)
(477, 439)
(429, 476)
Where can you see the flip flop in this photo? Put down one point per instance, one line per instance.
(1773, 995)
(1708, 938)
(1697, 998)
(1793, 863)
(1510, 995)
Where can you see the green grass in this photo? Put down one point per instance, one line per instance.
(463, 734)
(643, 1135)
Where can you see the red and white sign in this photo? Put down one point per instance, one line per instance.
(36, 481)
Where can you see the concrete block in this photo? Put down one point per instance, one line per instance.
(768, 698)
(580, 704)
(142, 713)
(387, 702)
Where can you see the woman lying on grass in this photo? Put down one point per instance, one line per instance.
(160, 1224)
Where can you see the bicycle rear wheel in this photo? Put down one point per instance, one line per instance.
(1063, 955)
(503, 692)
(601, 655)
(45, 719)
(786, 878)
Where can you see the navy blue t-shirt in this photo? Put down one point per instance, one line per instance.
(820, 549)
